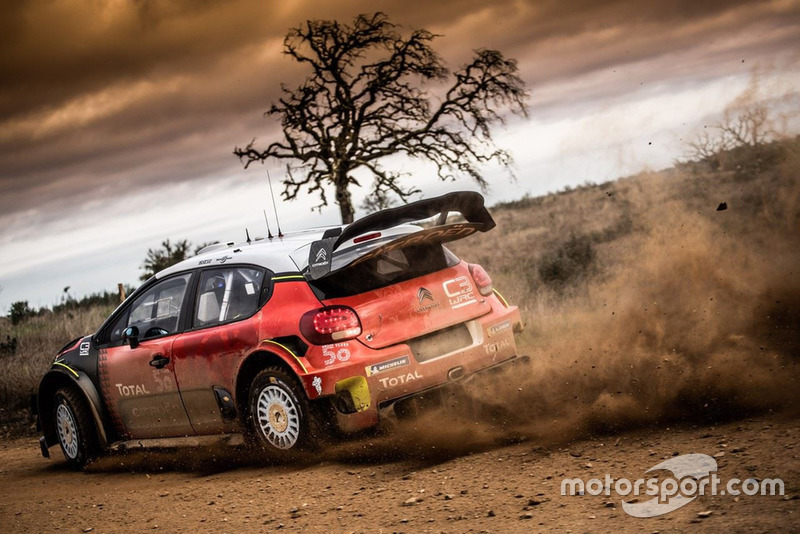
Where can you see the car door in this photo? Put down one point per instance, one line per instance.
(137, 376)
(223, 329)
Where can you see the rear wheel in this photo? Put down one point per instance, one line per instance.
(74, 427)
(281, 417)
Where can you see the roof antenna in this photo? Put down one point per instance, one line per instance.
(247, 233)
(269, 234)
(269, 178)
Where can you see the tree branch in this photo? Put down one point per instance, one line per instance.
(364, 101)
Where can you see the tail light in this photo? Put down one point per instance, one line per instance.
(482, 279)
(330, 325)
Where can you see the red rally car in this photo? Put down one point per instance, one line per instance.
(279, 339)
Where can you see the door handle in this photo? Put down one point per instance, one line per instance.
(159, 361)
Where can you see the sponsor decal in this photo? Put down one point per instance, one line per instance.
(427, 307)
(459, 292)
(500, 327)
(492, 348)
(84, 348)
(317, 383)
(223, 259)
(424, 293)
(336, 352)
(204, 262)
(155, 411)
(132, 390)
(320, 256)
(386, 366)
(163, 380)
(400, 380)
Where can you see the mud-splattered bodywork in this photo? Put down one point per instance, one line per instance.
(414, 335)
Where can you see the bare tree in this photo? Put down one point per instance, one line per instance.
(743, 130)
(363, 101)
(708, 147)
(747, 126)
(378, 201)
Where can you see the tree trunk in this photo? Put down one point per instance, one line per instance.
(344, 200)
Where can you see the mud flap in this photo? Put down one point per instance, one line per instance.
(225, 402)
(352, 395)
(43, 446)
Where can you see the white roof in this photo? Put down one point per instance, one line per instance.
(277, 253)
(270, 253)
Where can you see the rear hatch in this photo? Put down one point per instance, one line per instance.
(421, 303)
(398, 277)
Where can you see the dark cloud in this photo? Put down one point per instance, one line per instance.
(131, 94)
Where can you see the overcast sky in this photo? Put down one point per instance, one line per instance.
(118, 118)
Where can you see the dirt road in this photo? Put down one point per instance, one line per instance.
(368, 486)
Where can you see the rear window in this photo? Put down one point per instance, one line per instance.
(393, 267)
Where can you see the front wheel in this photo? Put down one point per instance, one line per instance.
(74, 428)
(280, 415)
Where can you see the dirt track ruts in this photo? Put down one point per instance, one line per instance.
(513, 488)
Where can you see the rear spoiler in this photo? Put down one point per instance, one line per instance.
(468, 203)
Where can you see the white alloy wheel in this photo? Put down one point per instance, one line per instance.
(67, 431)
(278, 416)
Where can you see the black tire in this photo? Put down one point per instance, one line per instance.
(281, 420)
(75, 428)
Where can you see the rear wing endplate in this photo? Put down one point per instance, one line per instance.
(468, 203)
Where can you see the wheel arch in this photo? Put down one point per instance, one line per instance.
(56, 379)
(253, 364)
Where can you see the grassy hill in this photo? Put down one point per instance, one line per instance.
(643, 299)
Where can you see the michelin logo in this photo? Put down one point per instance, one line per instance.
(496, 329)
(386, 366)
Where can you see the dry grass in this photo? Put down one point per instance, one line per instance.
(618, 220)
(38, 339)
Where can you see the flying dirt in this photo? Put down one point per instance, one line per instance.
(699, 323)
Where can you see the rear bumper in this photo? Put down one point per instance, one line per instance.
(375, 379)
(504, 365)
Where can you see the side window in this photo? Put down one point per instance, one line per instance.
(227, 294)
(157, 311)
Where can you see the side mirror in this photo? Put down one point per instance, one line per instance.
(131, 336)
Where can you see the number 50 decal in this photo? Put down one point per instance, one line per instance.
(338, 351)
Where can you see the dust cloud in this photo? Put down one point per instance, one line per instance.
(700, 323)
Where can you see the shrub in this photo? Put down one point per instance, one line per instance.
(20, 311)
(9, 346)
(572, 261)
